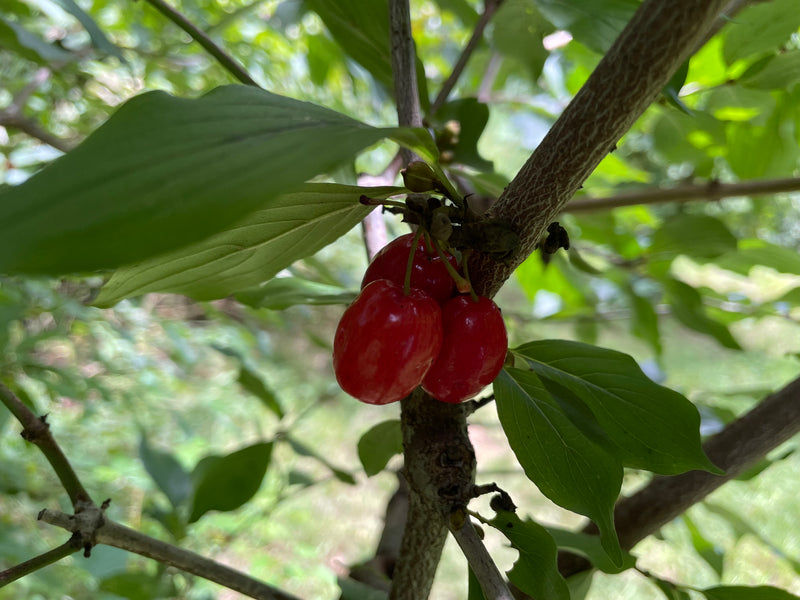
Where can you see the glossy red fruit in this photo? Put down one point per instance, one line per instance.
(428, 272)
(386, 342)
(473, 350)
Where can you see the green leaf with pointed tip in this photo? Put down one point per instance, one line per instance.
(251, 251)
(251, 382)
(99, 39)
(569, 467)
(687, 307)
(536, 570)
(780, 73)
(283, 292)
(225, 483)
(644, 320)
(651, 427)
(16, 38)
(378, 445)
(742, 592)
(590, 547)
(164, 172)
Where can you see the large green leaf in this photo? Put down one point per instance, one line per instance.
(99, 39)
(536, 570)
(251, 251)
(779, 73)
(590, 547)
(742, 592)
(760, 28)
(687, 307)
(518, 32)
(652, 427)
(164, 172)
(226, 482)
(596, 23)
(754, 252)
(378, 445)
(569, 467)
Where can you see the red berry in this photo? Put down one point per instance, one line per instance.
(473, 350)
(428, 271)
(386, 342)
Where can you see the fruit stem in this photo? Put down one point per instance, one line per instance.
(410, 264)
(465, 267)
(463, 285)
(429, 249)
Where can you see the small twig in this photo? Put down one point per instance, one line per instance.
(404, 69)
(712, 190)
(37, 431)
(226, 60)
(48, 558)
(474, 405)
(480, 561)
(111, 533)
(490, 7)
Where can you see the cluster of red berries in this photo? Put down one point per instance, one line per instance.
(394, 337)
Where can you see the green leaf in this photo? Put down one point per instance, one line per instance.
(698, 236)
(164, 172)
(16, 38)
(644, 320)
(652, 427)
(760, 28)
(303, 450)
(138, 585)
(595, 24)
(518, 32)
(378, 445)
(99, 39)
(355, 590)
(472, 117)
(707, 551)
(757, 252)
(251, 382)
(283, 292)
(536, 570)
(361, 28)
(225, 483)
(742, 592)
(566, 465)
(669, 589)
(589, 546)
(287, 228)
(474, 591)
(672, 90)
(687, 307)
(167, 472)
(780, 73)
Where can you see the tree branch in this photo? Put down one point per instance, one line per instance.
(490, 7)
(713, 190)
(659, 37)
(480, 561)
(111, 533)
(71, 546)
(37, 431)
(737, 447)
(223, 58)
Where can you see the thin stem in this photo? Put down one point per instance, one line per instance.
(490, 7)
(465, 267)
(223, 58)
(410, 263)
(462, 284)
(48, 558)
(713, 190)
(111, 533)
(404, 69)
(480, 561)
(37, 431)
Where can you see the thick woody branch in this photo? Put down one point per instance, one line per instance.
(734, 449)
(659, 37)
(713, 190)
(111, 533)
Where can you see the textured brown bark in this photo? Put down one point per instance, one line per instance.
(740, 445)
(659, 37)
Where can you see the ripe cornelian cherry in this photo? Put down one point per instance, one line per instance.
(386, 342)
(428, 272)
(473, 350)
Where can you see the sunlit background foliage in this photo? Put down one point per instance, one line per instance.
(705, 295)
